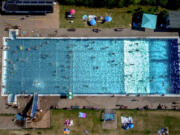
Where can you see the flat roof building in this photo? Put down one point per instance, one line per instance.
(28, 6)
(174, 20)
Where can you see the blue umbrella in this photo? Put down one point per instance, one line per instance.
(92, 22)
(108, 18)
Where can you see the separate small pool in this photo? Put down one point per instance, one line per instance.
(90, 66)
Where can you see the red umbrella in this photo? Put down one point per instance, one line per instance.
(72, 11)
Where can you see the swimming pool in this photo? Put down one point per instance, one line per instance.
(90, 66)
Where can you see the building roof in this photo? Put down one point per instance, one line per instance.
(22, 2)
(174, 19)
(149, 21)
(28, 0)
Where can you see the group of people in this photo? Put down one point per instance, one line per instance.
(68, 123)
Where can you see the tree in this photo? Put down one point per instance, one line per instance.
(175, 4)
(128, 2)
(162, 3)
(136, 2)
(110, 3)
(148, 2)
(162, 18)
(120, 3)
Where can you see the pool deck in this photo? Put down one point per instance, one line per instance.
(103, 102)
(35, 27)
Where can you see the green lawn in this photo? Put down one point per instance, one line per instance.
(121, 17)
(146, 123)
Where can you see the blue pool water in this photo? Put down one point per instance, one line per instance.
(89, 66)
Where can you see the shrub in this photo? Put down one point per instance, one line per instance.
(120, 3)
(162, 3)
(175, 4)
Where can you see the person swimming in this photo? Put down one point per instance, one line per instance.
(87, 45)
(137, 44)
(86, 86)
(35, 47)
(95, 67)
(93, 57)
(28, 49)
(36, 83)
(162, 83)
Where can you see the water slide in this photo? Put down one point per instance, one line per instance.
(34, 105)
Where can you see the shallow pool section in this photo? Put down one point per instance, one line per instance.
(136, 66)
(88, 66)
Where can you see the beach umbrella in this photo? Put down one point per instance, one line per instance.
(85, 17)
(108, 18)
(92, 22)
(70, 95)
(72, 11)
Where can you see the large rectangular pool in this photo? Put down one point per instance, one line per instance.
(90, 66)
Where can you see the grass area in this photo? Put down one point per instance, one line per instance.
(146, 123)
(6, 114)
(121, 17)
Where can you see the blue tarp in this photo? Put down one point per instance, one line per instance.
(34, 105)
(149, 21)
(19, 117)
(109, 116)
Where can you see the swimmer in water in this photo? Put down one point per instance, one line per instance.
(36, 47)
(87, 45)
(10, 62)
(85, 86)
(57, 86)
(113, 61)
(46, 42)
(91, 48)
(162, 83)
(36, 83)
(28, 49)
(62, 65)
(93, 57)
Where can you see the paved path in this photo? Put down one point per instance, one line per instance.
(104, 102)
(8, 123)
(86, 32)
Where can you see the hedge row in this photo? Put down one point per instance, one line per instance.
(170, 4)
